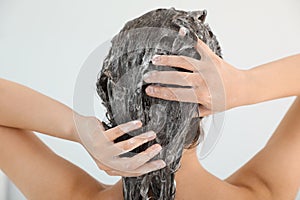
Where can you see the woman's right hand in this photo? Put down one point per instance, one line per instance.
(99, 143)
(211, 82)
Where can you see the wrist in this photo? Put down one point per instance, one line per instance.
(244, 87)
(71, 129)
(255, 89)
(80, 121)
(238, 93)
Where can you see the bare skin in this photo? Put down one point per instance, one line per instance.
(24, 108)
(39, 173)
(272, 174)
(36, 171)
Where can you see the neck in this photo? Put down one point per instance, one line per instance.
(189, 164)
(191, 175)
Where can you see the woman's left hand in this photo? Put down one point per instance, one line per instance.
(213, 83)
(106, 153)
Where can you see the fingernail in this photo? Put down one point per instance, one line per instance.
(137, 122)
(155, 59)
(155, 150)
(150, 134)
(131, 141)
(146, 76)
(160, 164)
(157, 147)
(130, 126)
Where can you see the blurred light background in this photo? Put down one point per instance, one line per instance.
(43, 45)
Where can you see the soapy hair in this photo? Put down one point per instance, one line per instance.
(122, 90)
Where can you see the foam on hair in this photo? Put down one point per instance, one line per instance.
(120, 86)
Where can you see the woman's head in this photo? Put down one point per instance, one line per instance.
(121, 87)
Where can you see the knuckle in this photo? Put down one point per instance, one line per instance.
(129, 144)
(141, 139)
(149, 156)
(124, 128)
(144, 156)
(119, 130)
(156, 90)
(183, 60)
(168, 93)
(193, 79)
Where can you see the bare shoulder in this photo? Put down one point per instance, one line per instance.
(274, 172)
(194, 182)
(111, 192)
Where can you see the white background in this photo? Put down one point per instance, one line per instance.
(44, 43)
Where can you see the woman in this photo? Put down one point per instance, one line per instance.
(272, 174)
(260, 178)
(121, 87)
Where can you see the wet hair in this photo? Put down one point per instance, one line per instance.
(122, 90)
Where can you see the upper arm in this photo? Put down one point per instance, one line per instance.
(38, 172)
(274, 173)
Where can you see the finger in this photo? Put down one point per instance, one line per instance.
(140, 159)
(151, 166)
(120, 130)
(202, 48)
(136, 165)
(134, 142)
(114, 172)
(102, 166)
(176, 94)
(100, 125)
(172, 78)
(175, 61)
(122, 173)
(146, 168)
(111, 172)
(130, 164)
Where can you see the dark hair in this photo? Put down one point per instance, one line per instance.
(122, 90)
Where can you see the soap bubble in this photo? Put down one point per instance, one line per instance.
(87, 102)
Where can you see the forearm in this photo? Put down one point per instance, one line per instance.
(24, 108)
(273, 80)
(38, 172)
